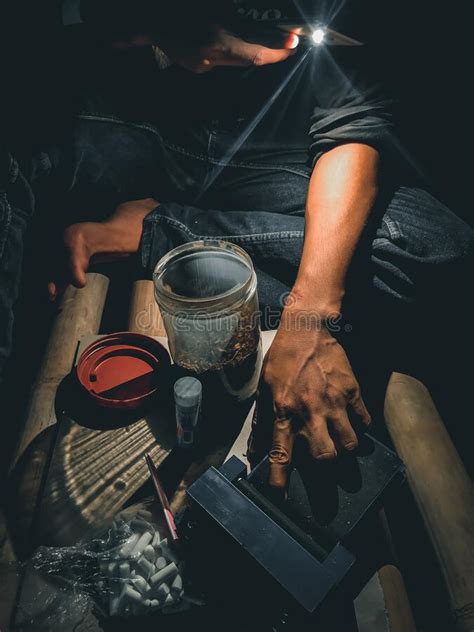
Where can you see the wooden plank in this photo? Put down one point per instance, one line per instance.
(442, 489)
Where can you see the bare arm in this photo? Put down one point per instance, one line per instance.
(308, 372)
(341, 194)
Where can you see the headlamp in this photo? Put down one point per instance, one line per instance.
(318, 36)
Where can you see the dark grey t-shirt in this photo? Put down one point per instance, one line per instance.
(314, 101)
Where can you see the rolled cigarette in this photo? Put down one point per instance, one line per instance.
(177, 585)
(164, 574)
(144, 539)
(160, 563)
(146, 567)
(127, 548)
(149, 553)
(161, 592)
(156, 539)
(131, 594)
(153, 603)
(140, 584)
(124, 570)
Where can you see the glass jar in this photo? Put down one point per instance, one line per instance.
(207, 295)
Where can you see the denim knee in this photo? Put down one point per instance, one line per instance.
(425, 228)
(420, 246)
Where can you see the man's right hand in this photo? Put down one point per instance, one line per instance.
(211, 45)
(218, 47)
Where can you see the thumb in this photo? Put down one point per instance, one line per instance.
(78, 265)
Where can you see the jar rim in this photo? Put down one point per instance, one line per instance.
(222, 300)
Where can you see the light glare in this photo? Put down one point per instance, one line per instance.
(318, 36)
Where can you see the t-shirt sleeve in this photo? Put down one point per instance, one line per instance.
(350, 106)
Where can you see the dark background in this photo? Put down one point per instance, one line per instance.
(426, 58)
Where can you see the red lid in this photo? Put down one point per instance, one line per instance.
(123, 370)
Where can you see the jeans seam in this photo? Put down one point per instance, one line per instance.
(275, 236)
(234, 163)
(264, 237)
(92, 116)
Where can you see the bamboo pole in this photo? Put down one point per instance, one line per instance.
(441, 486)
(397, 605)
(144, 316)
(80, 313)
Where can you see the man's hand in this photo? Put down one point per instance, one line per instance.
(220, 48)
(312, 385)
(116, 237)
(210, 45)
(307, 371)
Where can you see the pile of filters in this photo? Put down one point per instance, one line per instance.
(142, 573)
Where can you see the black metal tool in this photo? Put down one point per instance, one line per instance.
(295, 555)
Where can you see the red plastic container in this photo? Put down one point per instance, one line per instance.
(123, 370)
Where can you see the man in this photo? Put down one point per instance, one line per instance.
(42, 62)
(227, 154)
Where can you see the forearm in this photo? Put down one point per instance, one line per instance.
(341, 194)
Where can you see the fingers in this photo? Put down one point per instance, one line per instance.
(279, 456)
(238, 52)
(245, 54)
(360, 409)
(79, 264)
(53, 290)
(292, 41)
(320, 444)
(344, 431)
(267, 38)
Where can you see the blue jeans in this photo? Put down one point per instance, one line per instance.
(414, 250)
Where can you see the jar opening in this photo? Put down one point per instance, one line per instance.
(204, 272)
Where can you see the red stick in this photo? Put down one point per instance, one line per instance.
(162, 498)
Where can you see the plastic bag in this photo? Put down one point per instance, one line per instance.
(129, 568)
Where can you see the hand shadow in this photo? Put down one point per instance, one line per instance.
(320, 493)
